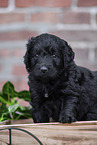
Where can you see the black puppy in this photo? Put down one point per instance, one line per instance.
(59, 88)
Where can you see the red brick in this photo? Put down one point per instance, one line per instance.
(22, 3)
(81, 54)
(3, 3)
(81, 58)
(87, 3)
(47, 3)
(53, 3)
(21, 85)
(49, 17)
(96, 53)
(2, 84)
(4, 53)
(23, 103)
(10, 53)
(93, 66)
(96, 18)
(20, 35)
(19, 70)
(11, 17)
(76, 18)
(0, 67)
(87, 64)
(77, 35)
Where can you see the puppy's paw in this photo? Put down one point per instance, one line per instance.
(67, 118)
(36, 115)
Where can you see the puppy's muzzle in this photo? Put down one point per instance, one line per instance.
(44, 69)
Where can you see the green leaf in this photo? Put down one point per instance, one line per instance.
(13, 108)
(8, 90)
(3, 109)
(0, 94)
(2, 118)
(26, 111)
(4, 101)
(10, 109)
(24, 95)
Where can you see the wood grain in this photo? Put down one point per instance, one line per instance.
(79, 133)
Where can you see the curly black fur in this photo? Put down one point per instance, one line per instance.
(59, 88)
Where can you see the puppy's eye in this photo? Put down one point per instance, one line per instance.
(36, 55)
(54, 56)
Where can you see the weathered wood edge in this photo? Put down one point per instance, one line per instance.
(54, 123)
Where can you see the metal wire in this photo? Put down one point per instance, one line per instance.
(10, 139)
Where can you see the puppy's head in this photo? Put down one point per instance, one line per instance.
(46, 56)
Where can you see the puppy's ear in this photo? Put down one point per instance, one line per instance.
(68, 54)
(27, 57)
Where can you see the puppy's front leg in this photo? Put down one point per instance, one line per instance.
(39, 116)
(36, 115)
(69, 110)
(39, 113)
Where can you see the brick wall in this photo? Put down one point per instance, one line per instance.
(72, 20)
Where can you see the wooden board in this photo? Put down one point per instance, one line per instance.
(79, 133)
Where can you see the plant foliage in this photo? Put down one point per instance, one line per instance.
(10, 108)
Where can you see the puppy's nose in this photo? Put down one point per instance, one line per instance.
(44, 69)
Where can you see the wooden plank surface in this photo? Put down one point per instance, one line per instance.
(79, 133)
